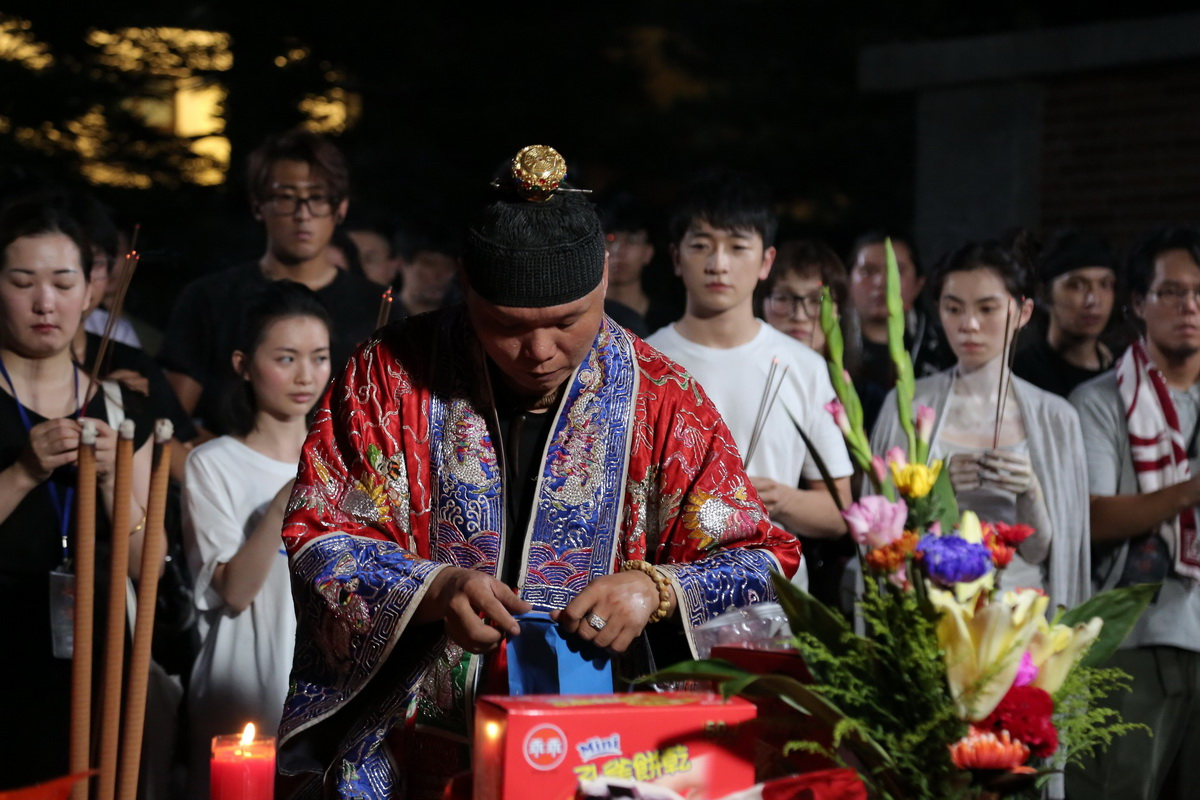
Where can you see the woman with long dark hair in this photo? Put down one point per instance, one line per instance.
(45, 263)
(1014, 455)
(235, 490)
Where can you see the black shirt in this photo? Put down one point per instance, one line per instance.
(161, 401)
(523, 435)
(32, 545)
(1042, 366)
(203, 331)
(876, 374)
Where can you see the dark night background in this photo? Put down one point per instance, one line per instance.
(635, 95)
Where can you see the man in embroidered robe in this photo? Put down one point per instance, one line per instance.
(1140, 426)
(520, 440)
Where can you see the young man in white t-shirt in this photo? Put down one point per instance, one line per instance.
(722, 234)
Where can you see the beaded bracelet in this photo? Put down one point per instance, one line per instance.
(660, 583)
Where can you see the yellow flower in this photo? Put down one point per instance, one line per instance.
(983, 649)
(1054, 651)
(915, 480)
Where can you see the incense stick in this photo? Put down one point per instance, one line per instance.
(385, 309)
(1010, 358)
(85, 595)
(771, 404)
(114, 313)
(761, 423)
(154, 547)
(762, 404)
(1000, 390)
(114, 648)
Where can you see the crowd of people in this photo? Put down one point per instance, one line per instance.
(367, 512)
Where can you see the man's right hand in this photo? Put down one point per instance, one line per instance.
(476, 609)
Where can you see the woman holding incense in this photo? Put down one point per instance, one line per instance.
(45, 263)
(235, 490)
(1014, 452)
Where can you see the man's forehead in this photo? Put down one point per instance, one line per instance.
(1175, 264)
(298, 185)
(876, 253)
(702, 227)
(1097, 272)
(539, 317)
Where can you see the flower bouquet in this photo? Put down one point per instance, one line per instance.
(953, 689)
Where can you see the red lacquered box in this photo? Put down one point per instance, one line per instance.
(542, 746)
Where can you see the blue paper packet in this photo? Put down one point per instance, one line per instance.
(542, 661)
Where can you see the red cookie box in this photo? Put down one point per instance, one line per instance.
(541, 746)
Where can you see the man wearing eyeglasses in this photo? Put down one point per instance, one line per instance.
(1140, 426)
(298, 185)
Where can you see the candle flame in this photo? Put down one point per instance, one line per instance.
(248, 734)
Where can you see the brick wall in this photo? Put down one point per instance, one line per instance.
(1121, 150)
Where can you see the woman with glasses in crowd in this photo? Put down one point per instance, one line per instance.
(791, 294)
(790, 300)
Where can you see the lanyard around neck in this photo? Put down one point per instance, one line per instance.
(62, 509)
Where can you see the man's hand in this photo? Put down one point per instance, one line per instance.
(476, 609)
(773, 494)
(624, 601)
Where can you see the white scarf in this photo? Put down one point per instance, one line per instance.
(1159, 449)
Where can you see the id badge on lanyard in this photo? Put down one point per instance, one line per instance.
(62, 578)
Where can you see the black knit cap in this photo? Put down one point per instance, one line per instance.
(1073, 249)
(534, 249)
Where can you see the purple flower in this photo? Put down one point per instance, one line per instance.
(950, 559)
(875, 522)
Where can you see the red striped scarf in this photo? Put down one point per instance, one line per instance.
(1159, 449)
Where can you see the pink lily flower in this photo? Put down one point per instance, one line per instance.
(876, 522)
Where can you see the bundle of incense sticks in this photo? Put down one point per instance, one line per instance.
(114, 313)
(1007, 357)
(385, 309)
(85, 588)
(765, 403)
(154, 547)
(114, 648)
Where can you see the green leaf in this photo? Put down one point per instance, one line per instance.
(843, 388)
(830, 327)
(900, 357)
(374, 457)
(826, 477)
(807, 613)
(944, 493)
(1120, 610)
(802, 698)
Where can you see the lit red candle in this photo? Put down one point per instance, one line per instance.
(242, 767)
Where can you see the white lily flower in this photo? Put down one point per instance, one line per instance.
(1054, 651)
(983, 649)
